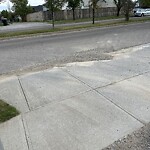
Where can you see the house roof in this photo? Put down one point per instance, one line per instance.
(108, 3)
(37, 8)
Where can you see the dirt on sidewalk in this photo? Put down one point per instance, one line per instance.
(138, 140)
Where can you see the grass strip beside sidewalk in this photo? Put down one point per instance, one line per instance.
(7, 112)
(85, 20)
(69, 28)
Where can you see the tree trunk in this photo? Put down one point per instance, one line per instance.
(24, 19)
(127, 11)
(73, 10)
(53, 20)
(52, 11)
(89, 12)
(127, 16)
(118, 11)
(93, 15)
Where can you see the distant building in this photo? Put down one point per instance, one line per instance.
(39, 8)
(101, 3)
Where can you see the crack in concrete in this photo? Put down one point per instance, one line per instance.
(95, 89)
(23, 93)
(25, 133)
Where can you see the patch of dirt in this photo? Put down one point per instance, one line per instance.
(138, 140)
(90, 55)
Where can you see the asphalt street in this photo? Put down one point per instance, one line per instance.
(21, 53)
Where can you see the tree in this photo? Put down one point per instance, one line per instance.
(8, 14)
(73, 4)
(128, 5)
(29, 9)
(144, 3)
(119, 4)
(5, 14)
(21, 8)
(54, 5)
(94, 6)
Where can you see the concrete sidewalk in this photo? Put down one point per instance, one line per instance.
(82, 106)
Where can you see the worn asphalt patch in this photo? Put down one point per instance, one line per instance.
(83, 56)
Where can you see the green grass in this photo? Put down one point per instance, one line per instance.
(7, 112)
(85, 20)
(70, 28)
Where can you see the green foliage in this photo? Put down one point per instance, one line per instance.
(5, 13)
(94, 5)
(54, 5)
(128, 5)
(73, 4)
(144, 3)
(7, 112)
(119, 4)
(29, 9)
(21, 8)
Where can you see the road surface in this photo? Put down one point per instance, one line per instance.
(22, 53)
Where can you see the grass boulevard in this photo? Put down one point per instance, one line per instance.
(7, 112)
(71, 28)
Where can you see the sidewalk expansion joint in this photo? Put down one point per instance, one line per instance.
(108, 99)
(26, 137)
(115, 82)
(95, 89)
(54, 103)
(24, 94)
(66, 71)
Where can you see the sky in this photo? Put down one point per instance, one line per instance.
(4, 5)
